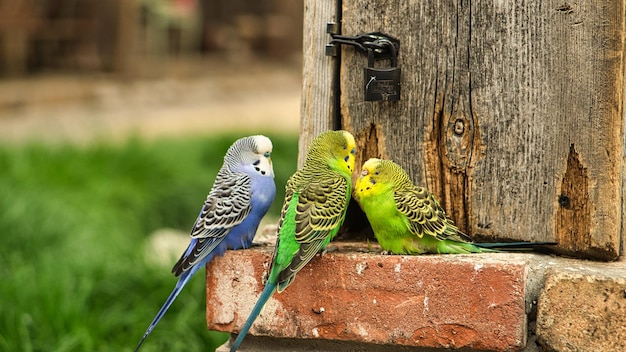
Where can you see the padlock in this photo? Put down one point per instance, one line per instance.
(382, 84)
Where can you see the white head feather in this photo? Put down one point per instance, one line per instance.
(252, 152)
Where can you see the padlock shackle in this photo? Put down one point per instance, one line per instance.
(394, 52)
(370, 58)
(383, 42)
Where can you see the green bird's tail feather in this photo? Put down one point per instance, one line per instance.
(455, 247)
(508, 246)
(258, 306)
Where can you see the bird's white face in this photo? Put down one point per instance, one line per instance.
(263, 160)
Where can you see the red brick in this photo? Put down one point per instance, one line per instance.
(454, 301)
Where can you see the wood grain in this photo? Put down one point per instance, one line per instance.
(318, 72)
(505, 104)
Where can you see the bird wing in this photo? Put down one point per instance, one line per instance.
(226, 206)
(424, 214)
(320, 209)
(318, 215)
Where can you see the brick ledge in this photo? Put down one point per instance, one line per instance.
(443, 301)
(467, 302)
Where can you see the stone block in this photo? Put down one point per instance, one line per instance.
(583, 308)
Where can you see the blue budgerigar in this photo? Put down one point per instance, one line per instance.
(241, 195)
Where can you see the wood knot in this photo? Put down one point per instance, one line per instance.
(459, 127)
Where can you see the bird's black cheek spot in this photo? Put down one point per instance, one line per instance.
(368, 188)
(262, 172)
(257, 169)
(346, 158)
(256, 162)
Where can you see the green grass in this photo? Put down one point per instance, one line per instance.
(74, 223)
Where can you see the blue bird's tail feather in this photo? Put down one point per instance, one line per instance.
(182, 281)
(258, 306)
(513, 245)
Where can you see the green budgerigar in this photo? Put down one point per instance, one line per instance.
(316, 199)
(407, 219)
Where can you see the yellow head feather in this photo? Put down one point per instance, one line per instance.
(378, 175)
(338, 148)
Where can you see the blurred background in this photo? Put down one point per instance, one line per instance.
(114, 119)
(116, 35)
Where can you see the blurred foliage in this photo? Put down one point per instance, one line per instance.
(74, 274)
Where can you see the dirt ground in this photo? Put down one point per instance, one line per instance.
(183, 97)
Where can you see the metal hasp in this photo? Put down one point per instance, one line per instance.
(380, 83)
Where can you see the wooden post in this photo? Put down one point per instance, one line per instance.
(318, 73)
(511, 111)
(126, 36)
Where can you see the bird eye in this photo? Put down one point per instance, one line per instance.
(266, 154)
(377, 172)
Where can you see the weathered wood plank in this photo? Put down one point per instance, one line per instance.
(318, 72)
(511, 113)
(623, 195)
(566, 117)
